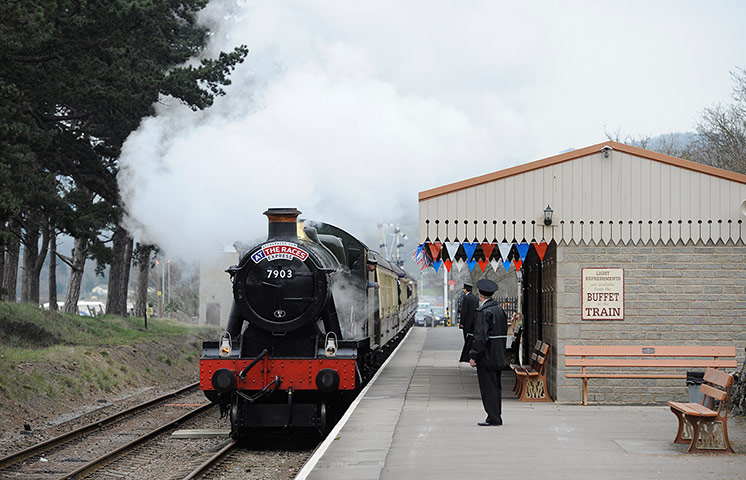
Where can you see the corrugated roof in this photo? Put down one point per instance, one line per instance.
(564, 157)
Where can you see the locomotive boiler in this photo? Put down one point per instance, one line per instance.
(314, 314)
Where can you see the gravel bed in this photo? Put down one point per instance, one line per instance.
(277, 454)
(82, 415)
(71, 455)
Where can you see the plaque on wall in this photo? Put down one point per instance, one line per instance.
(603, 293)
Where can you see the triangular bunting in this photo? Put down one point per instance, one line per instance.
(518, 264)
(448, 264)
(506, 265)
(436, 265)
(505, 250)
(435, 250)
(471, 264)
(522, 250)
(541, 249)
(459, 264)
(469, 250)
(494, 264)
(452, 248)
(487, 249)
(482, 263)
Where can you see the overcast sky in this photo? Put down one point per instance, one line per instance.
(347, 110)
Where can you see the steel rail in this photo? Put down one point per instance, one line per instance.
(107, 458)
(211, 461)
(42, 447)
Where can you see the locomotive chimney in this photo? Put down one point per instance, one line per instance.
(282, 223)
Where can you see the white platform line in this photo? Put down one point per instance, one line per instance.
(311, 463)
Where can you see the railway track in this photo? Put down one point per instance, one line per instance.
(212, 461)
(98, 443)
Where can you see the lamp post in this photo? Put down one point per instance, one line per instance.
(168, 268)
(160, 290)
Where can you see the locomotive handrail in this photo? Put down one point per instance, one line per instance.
(251, 365)
(263, 392)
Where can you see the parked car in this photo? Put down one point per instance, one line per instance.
(438, 315)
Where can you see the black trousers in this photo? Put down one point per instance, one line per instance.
(491, 390)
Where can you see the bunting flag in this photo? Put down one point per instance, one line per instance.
(419, 257)
(487, 249)
(434, 253)
(435, 250)
(541, 249)
(469, 250)
(494, 264)
(452, 248)
(505, 250)
(522, 250)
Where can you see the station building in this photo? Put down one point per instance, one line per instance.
(641, 249)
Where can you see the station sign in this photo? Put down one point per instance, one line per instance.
(602, 294)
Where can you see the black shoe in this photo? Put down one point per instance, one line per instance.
(488, 424)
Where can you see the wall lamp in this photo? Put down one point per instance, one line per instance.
(606, 150)
(548, 215)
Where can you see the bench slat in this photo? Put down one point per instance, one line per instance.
(716, 377)
(693, 409)
(623, 375)
(651, 350)
(712, 392)
(651, 362)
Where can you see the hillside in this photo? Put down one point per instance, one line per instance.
(52, 364)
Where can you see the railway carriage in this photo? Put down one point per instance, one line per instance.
(315, 313)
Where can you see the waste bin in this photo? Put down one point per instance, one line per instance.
(693, 381)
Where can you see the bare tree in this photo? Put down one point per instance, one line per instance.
(722, 130)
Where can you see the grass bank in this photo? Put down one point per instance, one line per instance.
(51, 363)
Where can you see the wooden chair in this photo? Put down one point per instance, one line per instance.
(700, 425)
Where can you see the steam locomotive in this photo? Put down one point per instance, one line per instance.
(314, 314)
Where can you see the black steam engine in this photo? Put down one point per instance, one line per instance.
(314, 314)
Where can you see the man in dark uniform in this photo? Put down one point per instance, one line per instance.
(469, 304)
(488, 351)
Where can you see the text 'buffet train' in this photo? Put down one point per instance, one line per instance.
(314, 314)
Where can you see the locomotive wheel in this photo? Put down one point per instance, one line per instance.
(237, 433)
(325, 417)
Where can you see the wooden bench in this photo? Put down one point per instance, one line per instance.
(700, 425)
(531, 380)
(622, 358)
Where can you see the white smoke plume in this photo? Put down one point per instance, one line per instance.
(307, 123)
(346, 110)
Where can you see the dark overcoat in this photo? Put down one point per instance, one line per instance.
(466, 320)
(490, 332)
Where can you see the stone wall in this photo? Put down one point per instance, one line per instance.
(674, 295)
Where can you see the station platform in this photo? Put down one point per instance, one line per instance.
(418, 419)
